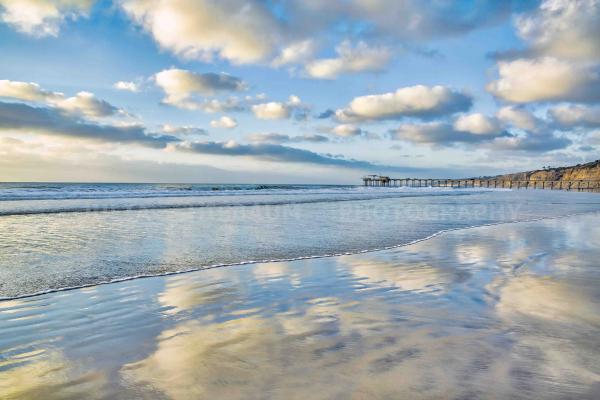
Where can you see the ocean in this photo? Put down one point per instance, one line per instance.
(67, 235)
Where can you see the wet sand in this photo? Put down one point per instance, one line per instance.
(496, 312)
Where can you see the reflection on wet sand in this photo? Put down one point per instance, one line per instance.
(550, 300)
(42, 374)
(468, 314)
(180, 295)
(419, 278)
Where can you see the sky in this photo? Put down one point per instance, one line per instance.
(296, 91)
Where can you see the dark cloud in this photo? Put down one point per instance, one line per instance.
(276, 152)
(326, 114)
(531, 143)
(23, 117)
(282, 138)
(406, 20)
(186, 130)
(221, 81)
(586, 148)
(441, 134)
(45, 120)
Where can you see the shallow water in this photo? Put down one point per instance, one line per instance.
(505, 311)
(70, 235)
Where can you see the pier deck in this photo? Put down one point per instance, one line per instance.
(575, 185)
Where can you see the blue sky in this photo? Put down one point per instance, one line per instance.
(295, 91)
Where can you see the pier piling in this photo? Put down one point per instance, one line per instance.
(579, 185)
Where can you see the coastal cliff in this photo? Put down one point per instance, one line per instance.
(588, 171)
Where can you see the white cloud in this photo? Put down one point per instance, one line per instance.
(563, 28)
(545, 79)
(271, 110)
(128, 86)
(41, 17)
(201, 29)
(84, 103)
(27, 91)
(224, 122)
(477, 123)
(180, 85)
(295, 53)
(278, 110)
(409, 101)
(571, 116)
(88, 104)
(346, 130)
(294, 101)
(361, 58)
(518, 117)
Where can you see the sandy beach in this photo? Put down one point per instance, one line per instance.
(505, 311)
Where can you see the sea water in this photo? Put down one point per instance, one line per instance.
(57, 236)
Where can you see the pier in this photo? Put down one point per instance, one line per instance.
(574, 185)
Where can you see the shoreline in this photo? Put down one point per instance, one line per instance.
(310, 257)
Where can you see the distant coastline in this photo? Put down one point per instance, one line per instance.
(587, 171)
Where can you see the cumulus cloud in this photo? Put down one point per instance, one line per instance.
(442, 133)
(412, 101)
(41, 17)
(224, 122)
(360, 58)
(84, 103)
(271, 110)
(347, 130)
(278, 110)
(27, 91)
(518, 117)
(295, 53)
(563, 28)
(575, 116)
(127, 86)
(52, 121)
(185, 130)
(88, 104)
(487, 132)
(181, 85)
(201, 29)
(253, 31)
(545, 79)
(282, 138)
(477, 124)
